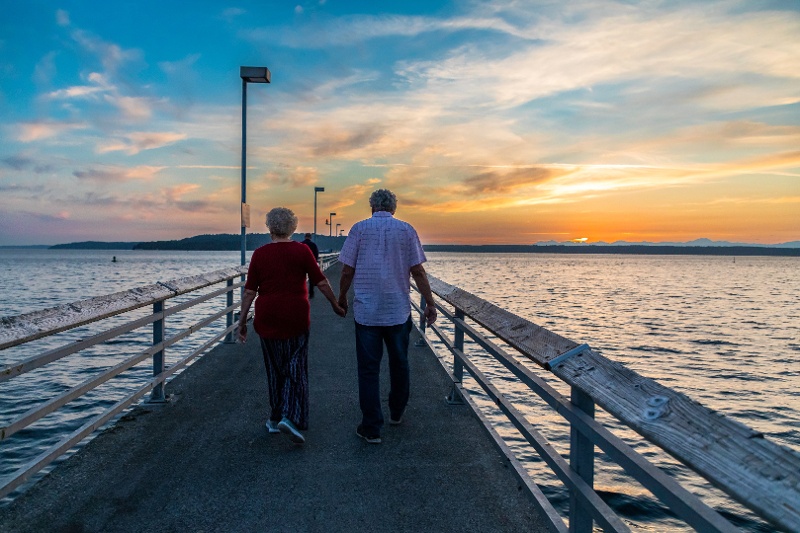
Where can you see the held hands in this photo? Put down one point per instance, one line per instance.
(343, 305)
(338, 309)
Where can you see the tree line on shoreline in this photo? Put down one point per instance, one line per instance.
(232, 242)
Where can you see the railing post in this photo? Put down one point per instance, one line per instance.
(157, 394)
(229, 339)
(581, 458)
(458, 366)
(422, 325)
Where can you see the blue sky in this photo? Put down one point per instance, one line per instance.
(494, 122)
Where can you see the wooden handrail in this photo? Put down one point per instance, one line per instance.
(758, 473)
(37, 324)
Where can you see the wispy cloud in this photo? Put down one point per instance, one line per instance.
(36, 131)
(112, 174)
(135, 142)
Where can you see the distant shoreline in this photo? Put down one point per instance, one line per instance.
(229, 242)
(632, 249)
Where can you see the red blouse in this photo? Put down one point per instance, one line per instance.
(278, 273)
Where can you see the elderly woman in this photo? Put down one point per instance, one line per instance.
(277, 274)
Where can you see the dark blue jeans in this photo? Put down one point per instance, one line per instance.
(369, 349)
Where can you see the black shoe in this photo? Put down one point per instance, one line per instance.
(370, 438)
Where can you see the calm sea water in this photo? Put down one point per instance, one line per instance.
(723, 332)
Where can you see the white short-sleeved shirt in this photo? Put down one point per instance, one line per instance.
(382, 251)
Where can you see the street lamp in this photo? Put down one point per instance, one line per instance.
(316, 190)
(337, 229)
(331, 228)
(248, 75)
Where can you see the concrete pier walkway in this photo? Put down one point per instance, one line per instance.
(204, 461)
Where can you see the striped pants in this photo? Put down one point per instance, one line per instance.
(286, 361)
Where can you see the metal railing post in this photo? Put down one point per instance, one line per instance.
(458, 366)
(157, 394)
(229, 317)
(581, 458)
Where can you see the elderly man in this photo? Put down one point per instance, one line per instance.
(379, 256)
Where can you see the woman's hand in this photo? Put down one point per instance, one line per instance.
(242, 332)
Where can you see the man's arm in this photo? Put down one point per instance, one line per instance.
(345, 281)
(421, 279)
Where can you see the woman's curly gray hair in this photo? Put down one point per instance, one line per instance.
(383, 200)
(281, 222)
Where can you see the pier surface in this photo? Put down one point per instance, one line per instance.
(205, 462)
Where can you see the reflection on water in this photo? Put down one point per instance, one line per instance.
(724, 333)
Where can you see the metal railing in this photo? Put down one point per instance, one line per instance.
(327, 260)
(18, 330)
(761, 475)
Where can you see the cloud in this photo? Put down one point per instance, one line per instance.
(355, 193)
(22, 162)
(45, 70)
(132, 107)
(294, 177)
(495, 182)
(355, 29)
(231, 13)
(62, 18)
(16, 187)
(136, 142)
(18, 162)
(112, 56)
(37, 131)
(111, 174)
(176, 193)
(342, 142)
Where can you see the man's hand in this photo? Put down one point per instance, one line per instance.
(430, 314)
(339, 310)
(242, 332)
(343, 304)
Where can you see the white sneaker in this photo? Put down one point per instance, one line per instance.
(287, 428)
(272, 426)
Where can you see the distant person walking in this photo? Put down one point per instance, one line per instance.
(314, 250)
(277, 274)
(379, 256)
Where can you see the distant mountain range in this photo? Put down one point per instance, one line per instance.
(696, 242)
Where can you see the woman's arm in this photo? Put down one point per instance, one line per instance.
(247, 301)
(325, 288)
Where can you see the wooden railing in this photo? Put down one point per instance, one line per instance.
(36, 325)
(760, 474)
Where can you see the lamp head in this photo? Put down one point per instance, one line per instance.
(255, 74)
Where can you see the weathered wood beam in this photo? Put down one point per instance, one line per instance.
(760, 474)
(37, 324)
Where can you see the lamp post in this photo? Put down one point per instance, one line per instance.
(316, 190)
(337, 229)
(248, 75)
(331, 228)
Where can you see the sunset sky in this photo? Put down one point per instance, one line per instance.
(493, 122)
